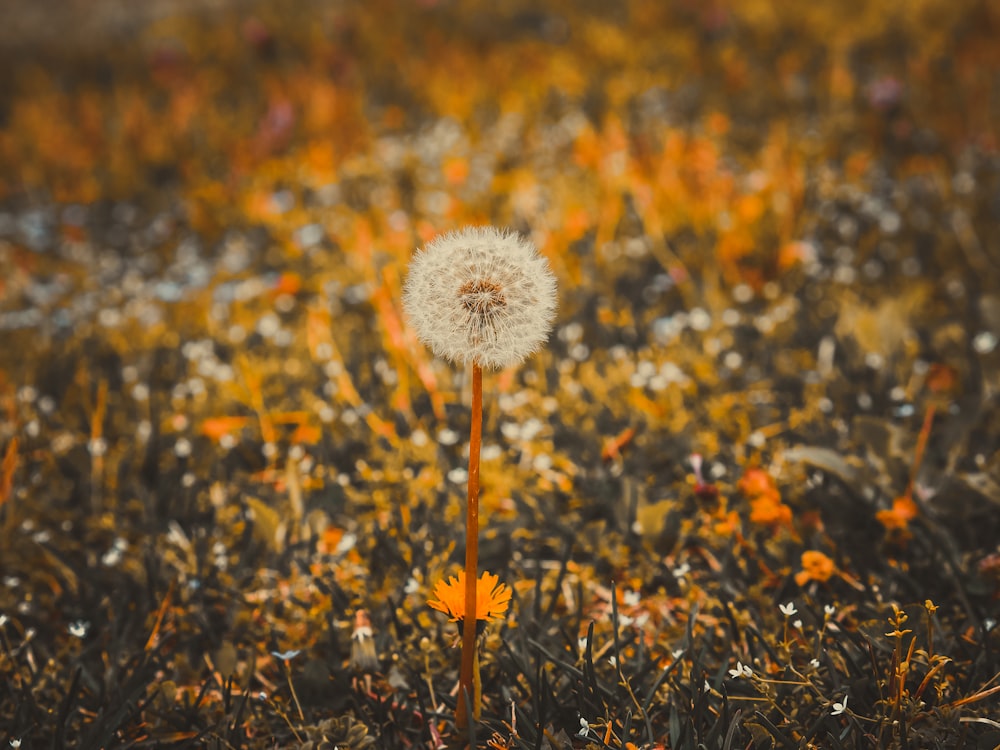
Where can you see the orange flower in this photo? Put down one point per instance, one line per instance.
(727, 524)
(492, 597)
(765, 501)
(770, 511)
(815, 567)
(899, 516)
(757, 483)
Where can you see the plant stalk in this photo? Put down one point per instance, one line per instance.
(468, 679)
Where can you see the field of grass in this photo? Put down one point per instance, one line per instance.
(748, 495)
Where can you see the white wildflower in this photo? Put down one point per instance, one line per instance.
(788, 609)
(839, 708)
(741, 670)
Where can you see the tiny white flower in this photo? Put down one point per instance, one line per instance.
(829, 610)
(814, 663)
(631, 598)
(677, 654)
(797, 624)
(15, 742)
(839, 708)
(79, 628)
(624, 621)
(584, 728)
(480, 295)
(681, 570)
(613, 660)
(788, 609)
(741, 670)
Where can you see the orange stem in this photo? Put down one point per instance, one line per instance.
(467, 678)
(918, 453)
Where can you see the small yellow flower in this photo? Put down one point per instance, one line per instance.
(492, 597)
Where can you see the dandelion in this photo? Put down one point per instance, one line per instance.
(492, 597)
(481, 296)
(839, 708)
(484, 297)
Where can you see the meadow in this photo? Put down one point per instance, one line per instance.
(746, 494)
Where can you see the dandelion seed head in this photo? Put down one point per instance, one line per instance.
(481, 295)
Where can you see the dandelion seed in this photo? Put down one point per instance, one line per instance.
(481, 295)
(788, 609)
(839, 708)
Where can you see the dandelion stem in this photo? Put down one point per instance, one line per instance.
(467, 677)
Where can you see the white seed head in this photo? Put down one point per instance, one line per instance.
(482, 295)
